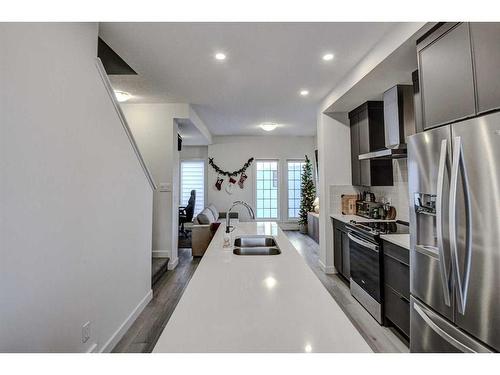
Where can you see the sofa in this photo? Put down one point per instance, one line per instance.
(204, 227)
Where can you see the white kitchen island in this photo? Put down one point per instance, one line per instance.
(257, 304)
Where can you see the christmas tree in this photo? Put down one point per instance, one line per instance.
(307, 192)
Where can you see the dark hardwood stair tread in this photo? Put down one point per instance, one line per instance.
(158, 267)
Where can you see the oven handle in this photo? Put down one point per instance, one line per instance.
(363, 243)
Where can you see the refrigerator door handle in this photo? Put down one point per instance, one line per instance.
(462, 281)
(438, 330)
(443, 267)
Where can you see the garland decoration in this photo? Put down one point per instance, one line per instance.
(229, 174)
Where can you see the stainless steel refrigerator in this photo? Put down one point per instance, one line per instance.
(454, 186)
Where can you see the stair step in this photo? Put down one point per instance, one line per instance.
(158, 268)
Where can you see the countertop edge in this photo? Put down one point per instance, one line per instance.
(401, 240)
(359, 219)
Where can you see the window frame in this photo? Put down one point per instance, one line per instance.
(296, 160)
(202, 161)
(278, 197)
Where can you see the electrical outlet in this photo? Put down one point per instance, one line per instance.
(86, 332)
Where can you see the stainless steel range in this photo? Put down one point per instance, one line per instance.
(365, 248)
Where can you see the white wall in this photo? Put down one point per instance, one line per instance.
(76, 207)
(155, 131)
(231, 152)
(333, 135)
(398, 194)
(387, 45)
(194, 152)
(334, 152)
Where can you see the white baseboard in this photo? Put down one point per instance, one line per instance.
(110, 344)
(173, 263)
(161, 253)
(326, 269)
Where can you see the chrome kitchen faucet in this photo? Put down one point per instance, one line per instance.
(228, 214)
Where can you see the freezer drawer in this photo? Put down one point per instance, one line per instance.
(430, 333)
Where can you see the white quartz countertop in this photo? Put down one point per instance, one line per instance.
(257, 304)
(348, 218)
(402, 240)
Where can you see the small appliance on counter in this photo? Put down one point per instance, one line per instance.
(368, 196)
(369, 208)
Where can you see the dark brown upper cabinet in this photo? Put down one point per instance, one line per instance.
(485, 39)
(355, 163)
(367, 135)
(458, 66)
(446, 75)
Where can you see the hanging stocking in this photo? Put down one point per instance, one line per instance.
(230, 185)
(218, 184)
(241, 182)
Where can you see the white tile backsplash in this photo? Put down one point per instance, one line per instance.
(397, 195)
(336, 192)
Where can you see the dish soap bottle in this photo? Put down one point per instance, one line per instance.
(227, 238)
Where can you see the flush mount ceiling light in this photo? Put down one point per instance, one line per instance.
(220, 56)
(304, 92)
(328, 56)
(268, 126)
(122, 96)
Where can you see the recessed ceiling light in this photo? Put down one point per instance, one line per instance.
(268, 126)
(122, 96)
(328, 56)
(304, 92)
(220, 56)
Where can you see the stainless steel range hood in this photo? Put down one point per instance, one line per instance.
(386, 153)
(399, 122)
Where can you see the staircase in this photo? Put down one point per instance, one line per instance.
(158, 267)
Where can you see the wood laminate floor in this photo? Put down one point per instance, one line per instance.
(381, 339)
(143, 334)
(145, 331)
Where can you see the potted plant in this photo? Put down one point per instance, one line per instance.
(307, 194)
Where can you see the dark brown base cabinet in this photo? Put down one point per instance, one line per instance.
(397, 287)
(341, 249)
(313, 226)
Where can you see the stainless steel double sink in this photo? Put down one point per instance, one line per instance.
(255, 245)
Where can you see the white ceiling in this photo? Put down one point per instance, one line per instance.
(266, 66)
(191, 135)
(393, 70)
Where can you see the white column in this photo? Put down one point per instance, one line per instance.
(334, 152)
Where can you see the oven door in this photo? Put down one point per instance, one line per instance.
(365, 265)
(365, 274)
